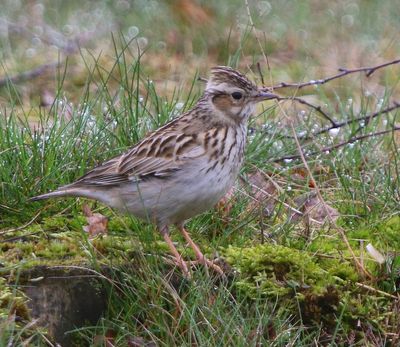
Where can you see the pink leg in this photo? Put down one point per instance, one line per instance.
(174, 251)
(199, 255)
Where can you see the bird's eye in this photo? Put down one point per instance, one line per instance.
(237, 95)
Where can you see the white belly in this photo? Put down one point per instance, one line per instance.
(197, 187)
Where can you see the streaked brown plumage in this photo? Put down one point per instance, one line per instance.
(183, 168)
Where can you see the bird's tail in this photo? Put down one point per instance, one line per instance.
(55, 194)
(73, 190)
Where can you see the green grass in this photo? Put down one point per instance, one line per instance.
(293, 283)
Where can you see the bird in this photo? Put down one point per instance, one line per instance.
(183, 168)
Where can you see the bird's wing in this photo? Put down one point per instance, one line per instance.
(158, 155)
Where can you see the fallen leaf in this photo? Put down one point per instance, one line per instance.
(313, 210)
(97, 223)
(262, 193)
(225, 205)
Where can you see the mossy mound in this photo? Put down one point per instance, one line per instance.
(318, 281)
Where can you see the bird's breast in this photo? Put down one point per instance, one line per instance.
(224, 159)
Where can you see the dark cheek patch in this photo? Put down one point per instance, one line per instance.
(222, 102)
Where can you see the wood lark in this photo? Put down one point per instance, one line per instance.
(183, 168)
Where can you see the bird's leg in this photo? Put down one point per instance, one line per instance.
(199, 255)
(174, 251)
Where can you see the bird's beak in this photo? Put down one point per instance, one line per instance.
(263, 95)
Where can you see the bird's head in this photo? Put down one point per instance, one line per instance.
(232, 95)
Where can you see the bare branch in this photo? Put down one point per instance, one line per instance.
(5, 231)
(342, 72)
(395, 106)
(315, 107)
(338, 145)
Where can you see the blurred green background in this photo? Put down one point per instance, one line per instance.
(301, 39)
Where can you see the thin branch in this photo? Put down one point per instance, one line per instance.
(336, 125)
(315, 107)
(342, 72)
(395, 106)
(372, 289)
(5, 231)
(338, 145)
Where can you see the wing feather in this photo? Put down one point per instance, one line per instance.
(142, 161)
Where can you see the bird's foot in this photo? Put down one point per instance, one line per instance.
(178, 261)
(199, 255)
(209, 264)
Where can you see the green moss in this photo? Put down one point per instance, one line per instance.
(278, 270)
(12, 301)
(323, 286)
(384, 235)
(60, 240)
(14, 313)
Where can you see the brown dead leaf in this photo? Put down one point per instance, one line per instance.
(260, 190)
(314, 210)
(262, 193)
(225, 205)
(301, 176)
(97, 223)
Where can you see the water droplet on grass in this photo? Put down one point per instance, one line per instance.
(30, 52)
(161, 45)
(179, 105)
(68, 30)
(36, 41)
(142, 42)
(334, 132)
(264, 8)
(133, 31)
(302, 133)
(347, 20)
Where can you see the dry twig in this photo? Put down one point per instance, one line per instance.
(365, 119)
(342, 72)
(315, 107)
(338, 145)
(5, 231)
